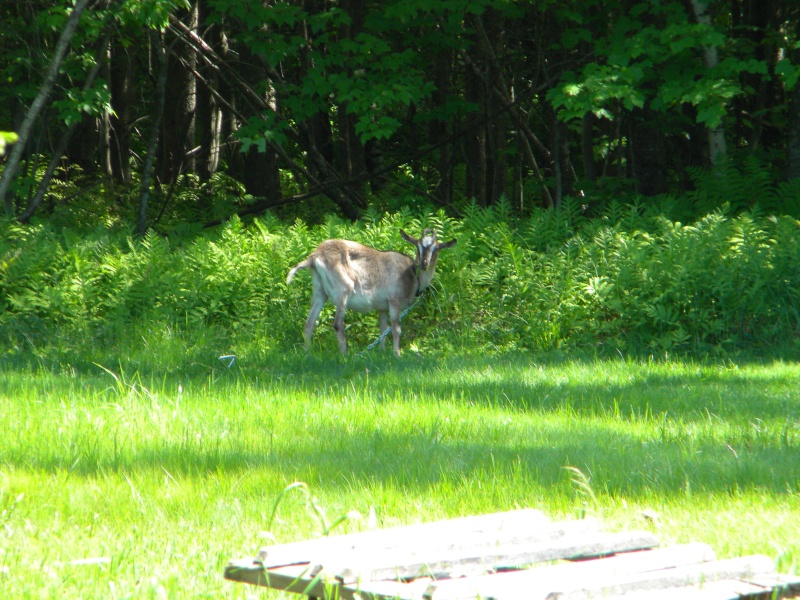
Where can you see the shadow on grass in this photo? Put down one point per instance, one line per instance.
(637, 430)
(684, 390)
(435, 454)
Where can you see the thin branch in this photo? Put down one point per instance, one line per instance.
(333, 182)
(324, 188)
(293, 166)
(188, 36)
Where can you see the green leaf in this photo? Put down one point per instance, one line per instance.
(6, 139)
(788, 72)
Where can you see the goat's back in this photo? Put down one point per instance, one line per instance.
(369, 277)
(363, 265)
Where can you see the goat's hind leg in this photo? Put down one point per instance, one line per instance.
(318, 299)
(338, 326)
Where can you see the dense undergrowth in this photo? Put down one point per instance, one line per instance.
(628, 281)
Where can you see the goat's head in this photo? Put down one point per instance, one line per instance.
(427, 248)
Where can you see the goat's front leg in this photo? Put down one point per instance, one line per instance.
(384, 323)
(394, 317)
(338, 326)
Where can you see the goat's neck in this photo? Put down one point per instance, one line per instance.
(424, 278)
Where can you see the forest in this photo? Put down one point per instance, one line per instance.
(614, 335)
(163, 114)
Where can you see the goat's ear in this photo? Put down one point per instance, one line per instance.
(449, 244)
(408, 238)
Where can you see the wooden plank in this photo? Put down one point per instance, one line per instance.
(717, 590)
(456, 551)
(393, 564)
(775, 587)
(506, 585)
(245, 570)
(433, 534)
(387, 590)
(679, 577)
(298, 579)
(533, 583)
(785, 586)
(440, 564)
(310, 556)
(514, 584)
(573, 539)
(291, 578)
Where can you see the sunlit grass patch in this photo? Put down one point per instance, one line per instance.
(118, 482)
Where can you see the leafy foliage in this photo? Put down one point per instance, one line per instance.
(343, 99)
(744, 184)
(6, 139)
(631, 281)
(643, 63)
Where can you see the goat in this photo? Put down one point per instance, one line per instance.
(363, 279)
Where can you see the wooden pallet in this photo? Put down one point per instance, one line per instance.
(508, 555)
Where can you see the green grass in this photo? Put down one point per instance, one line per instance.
(163, 474)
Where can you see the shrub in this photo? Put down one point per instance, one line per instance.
(629, 281)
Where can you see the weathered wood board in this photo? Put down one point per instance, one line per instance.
(506, 556)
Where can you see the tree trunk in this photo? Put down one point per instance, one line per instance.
(121, 80)
(587, 147)
(351, 157)
(793, 133)
(497, 163)
(261, 177)
(375, 165)
(475, 138)
(793, 137)
(62, 46)
(316, 137)
(494, 38)
(439, 129)
(717, 149)
(760, 26)
(179, 103)
(486, 134)
(562, 167)
(152, 146)
(648, 154)
(257, 170)
(485, 150)
(208, 124)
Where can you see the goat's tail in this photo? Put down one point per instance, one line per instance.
(305, 264)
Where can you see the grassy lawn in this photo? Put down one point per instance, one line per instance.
(118, 484)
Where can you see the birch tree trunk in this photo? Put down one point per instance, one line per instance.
(717, 149)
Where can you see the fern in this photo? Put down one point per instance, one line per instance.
(632, 280)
